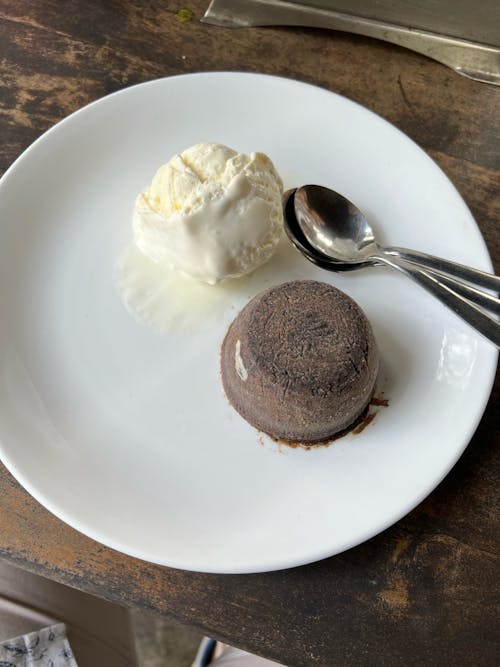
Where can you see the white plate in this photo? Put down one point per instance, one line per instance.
(125, 434)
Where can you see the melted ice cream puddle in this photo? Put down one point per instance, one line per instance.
(164, 299)
(161, 297)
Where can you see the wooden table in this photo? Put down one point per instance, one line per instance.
(421, 593)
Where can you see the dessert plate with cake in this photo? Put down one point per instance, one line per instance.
(176, 381)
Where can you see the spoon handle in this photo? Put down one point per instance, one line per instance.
(472, 314)
(474, 295)
(467, 273)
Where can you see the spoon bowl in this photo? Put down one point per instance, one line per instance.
(333, 225)
(300, 242)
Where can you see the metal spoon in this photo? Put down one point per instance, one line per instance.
(337, 228)
(452, 293)
(296, 235)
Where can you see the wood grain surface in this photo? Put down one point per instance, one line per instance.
(425, 592)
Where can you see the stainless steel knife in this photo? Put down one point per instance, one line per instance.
(461, 34)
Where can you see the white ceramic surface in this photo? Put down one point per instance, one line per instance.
(125, 434)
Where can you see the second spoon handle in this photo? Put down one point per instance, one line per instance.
(473, 276)
(476, 296)
(477, 318)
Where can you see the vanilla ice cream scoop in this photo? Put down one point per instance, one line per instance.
(211, 213)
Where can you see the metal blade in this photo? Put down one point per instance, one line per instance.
(471, 58)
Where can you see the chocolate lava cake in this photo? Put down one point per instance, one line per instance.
(300, 362)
